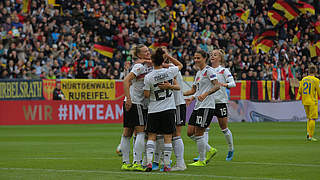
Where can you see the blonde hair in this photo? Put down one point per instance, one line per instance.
(222, 54)
(135, 50)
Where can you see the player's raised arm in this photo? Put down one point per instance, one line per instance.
(173, 60)
(126, 85)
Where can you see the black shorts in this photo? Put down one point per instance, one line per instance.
(201, 117)
(221, 110)
(161, 122)
(181, 115)
(136, 116)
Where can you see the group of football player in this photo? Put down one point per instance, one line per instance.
(155, 109)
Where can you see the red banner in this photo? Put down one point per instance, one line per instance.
(61, 112)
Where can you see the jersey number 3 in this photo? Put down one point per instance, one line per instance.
(306, 87)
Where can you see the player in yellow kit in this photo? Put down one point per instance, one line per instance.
(309, 91)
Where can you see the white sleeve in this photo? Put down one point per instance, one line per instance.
(146, 84)
(211, 74)
(137, 69)
(229, 78)
(173, 70)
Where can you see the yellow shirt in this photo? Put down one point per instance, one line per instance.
(309, 90)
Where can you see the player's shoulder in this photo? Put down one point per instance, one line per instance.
(137, 66)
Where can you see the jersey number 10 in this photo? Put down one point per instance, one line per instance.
(306, 86)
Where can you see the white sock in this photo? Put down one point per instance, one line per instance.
(206, 135)
(167, 151)
(134, 153)
(159, 148)
(139, 146)
(150, 151)
(201, 147)
(125, 149)
(227, 133)
(178, 148)
(144, 161)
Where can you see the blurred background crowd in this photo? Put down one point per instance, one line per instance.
(56, 40)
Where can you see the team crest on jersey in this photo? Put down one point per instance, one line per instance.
(221, 72)
(205, 74)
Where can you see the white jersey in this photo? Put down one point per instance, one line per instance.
(136, 88)
(160, 100)
(203, 84)
(178, 94)
(224, 76)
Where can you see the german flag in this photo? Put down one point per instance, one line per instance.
(243, 15)
(317, 27)
(314, 49)
(26, 6)
(276, 16)
(290, 10)
(267, 33)
(296, 38)
(245, 89)
(265, 45)
(165, 3)
(268, 90)
(104, 50)
(305, 7)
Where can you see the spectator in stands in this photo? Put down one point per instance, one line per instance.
(67, 34)
(57, 92)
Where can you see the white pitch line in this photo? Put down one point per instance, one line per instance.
(233, 162)
(273, 164)
(139, 173)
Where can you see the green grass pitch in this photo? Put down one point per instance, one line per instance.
(73, 152)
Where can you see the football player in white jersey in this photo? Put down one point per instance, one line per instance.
(226, 80)
(205, 84)
(159, 86)
(134, 117)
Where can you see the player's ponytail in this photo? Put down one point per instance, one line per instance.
(222, 54)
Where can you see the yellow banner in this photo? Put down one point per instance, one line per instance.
(88, 89)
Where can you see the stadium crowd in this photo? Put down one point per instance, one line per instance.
(50, 41)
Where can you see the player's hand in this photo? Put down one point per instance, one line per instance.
(188, 101)
(202, 97)
(128, 104)
(223, 84)
(164, 85)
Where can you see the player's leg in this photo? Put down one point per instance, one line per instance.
(203, 120)
(312, 122)
(152, 130)
(168, 127)
(178, 148)
(158, 152)
(125, 140)
(125, 148)
(221, 112)
(307, 110)
(177, 141)
(150, 148)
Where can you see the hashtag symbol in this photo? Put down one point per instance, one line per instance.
(63, 112)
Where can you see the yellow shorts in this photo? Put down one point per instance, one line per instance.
(311, 111)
